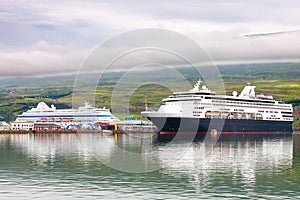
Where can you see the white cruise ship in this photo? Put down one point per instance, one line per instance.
(200, 111)
(67, 117)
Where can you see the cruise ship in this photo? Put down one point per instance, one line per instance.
(199, 112)
(82, 116)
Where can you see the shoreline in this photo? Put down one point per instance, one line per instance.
(47, 131)
(61, 132)
(296, 128)
(80, 131)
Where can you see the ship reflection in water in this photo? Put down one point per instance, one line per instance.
(236, 169)
(243, 159)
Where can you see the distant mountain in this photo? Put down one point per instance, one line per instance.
(17, 94)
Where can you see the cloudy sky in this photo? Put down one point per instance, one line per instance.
(46, 37)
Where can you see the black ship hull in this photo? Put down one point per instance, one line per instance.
(200, 128)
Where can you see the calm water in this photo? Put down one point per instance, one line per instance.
(92, 166)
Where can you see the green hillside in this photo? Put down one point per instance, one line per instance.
(18, 94)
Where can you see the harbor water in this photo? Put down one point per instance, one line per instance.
(95, 166)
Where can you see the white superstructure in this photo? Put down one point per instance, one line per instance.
(204, 103)
(65, 117)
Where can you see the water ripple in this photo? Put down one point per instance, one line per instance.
(60, 167)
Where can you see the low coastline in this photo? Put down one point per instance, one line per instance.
(44, 131)
(57, 131)
(297, 128)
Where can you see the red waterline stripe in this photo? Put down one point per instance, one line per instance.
(222, 133)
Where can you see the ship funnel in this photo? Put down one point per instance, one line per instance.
(248, 91)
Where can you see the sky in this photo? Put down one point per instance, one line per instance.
(51, 37)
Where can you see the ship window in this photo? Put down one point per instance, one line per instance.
(286, 112)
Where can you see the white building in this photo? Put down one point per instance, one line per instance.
(4, 126)
(26, 126)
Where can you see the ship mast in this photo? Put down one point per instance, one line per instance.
(146, 106)
(196, 86)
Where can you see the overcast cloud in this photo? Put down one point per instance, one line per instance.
(46, 37)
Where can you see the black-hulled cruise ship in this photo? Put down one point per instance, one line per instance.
(198, 112)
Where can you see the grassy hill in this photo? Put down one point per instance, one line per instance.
(18, 94)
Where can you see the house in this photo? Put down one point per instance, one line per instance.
(26, 126)
(4, 126)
